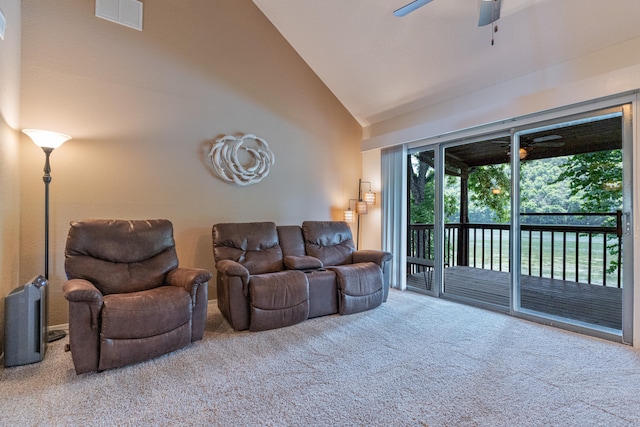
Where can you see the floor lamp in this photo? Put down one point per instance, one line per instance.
(48, 141)
(362, 203)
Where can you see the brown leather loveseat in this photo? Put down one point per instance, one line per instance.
(274, 276)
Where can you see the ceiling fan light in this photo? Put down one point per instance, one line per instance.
(523, 153)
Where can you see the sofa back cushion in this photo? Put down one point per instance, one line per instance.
(253, 244)
(291, 240)
(329, 241)
(120, 256)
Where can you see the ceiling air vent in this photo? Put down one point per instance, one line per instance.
(124, 12)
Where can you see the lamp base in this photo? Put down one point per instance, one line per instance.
(56, 335)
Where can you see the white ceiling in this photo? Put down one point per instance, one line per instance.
(380, 66)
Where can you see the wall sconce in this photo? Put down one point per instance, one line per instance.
(48, 141)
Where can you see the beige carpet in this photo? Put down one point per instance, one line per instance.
(415, 361)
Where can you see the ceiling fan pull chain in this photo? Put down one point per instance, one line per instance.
(494, 27)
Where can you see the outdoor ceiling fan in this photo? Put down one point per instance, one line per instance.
(527, 145)
(489, 10)
(549, 141)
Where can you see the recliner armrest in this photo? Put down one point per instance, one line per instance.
(188, 277)
(80, 290)
(233, 268)
(82, 293)
(194, 281)
(368, 255)
(303, 262)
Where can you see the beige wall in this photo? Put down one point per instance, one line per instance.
(9, 154)
(143, 109)
(371, 223)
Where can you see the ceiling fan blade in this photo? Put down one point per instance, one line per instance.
(406, 9)
(552, 140)
(489, 11)
(549, 144)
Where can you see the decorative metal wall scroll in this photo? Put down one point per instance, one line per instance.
(243, 161)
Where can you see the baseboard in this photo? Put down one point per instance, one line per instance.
(63, 326)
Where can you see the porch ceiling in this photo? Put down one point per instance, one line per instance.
(587, 137)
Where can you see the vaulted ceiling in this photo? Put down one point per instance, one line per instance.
(381, 66)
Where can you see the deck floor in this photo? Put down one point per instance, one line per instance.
(597, 305)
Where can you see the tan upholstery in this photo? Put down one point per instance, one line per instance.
(128, 299)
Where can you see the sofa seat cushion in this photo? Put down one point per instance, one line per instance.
(147, 313)
(121, 352)
(278, 299)
(359, 286)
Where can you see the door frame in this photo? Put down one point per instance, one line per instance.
(631, 128)
(626, 333)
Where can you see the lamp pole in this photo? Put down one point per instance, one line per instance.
(47, 180)
(52, 335)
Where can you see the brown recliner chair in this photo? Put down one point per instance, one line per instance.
(128, 300)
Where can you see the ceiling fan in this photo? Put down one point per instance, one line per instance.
(548, 141)
(489, 10)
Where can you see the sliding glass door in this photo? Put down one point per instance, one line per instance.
(466, 187)
(476, 191)
(531, 221)
(574, 209)
(421, 211)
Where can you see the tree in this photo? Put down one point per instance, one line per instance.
(489, 186)
(596, 178)
(422, 188)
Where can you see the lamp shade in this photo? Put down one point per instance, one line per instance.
(370, 197)
(348, 215)
(46, 138)
(361, 207)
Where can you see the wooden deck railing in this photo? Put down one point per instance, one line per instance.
(581, 253)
